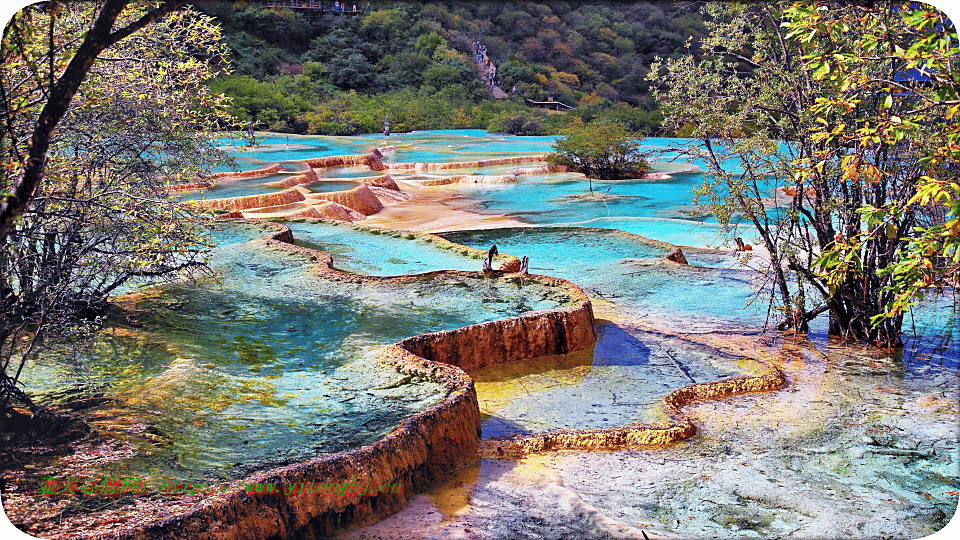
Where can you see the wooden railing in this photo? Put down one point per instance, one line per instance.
(326, 6)
(555, 105)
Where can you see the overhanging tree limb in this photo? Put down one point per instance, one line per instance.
(100, 36)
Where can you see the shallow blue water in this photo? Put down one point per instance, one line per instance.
(626, 271)
(386, 254)
(712, 293)
(348, 172)
(284, 355)
(659, 209)
(267, 363)
(417, 146)
(235, 187)
(327, 186)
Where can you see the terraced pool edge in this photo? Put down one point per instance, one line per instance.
(438, 440)
(418, 452)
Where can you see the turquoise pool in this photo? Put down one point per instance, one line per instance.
(264, 363)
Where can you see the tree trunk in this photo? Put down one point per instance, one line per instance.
(850, 318)
(100, 36)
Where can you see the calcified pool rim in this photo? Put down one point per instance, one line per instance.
(302, 172)
(418, 452)
(446, 436)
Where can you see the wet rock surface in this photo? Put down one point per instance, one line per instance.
(845, 450)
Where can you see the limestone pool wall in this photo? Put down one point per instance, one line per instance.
(276, 167)
(465, 164)
(359, 198)
(247, 202)
(415, 454)
(679, 428)
(440, 439)
(371, 160)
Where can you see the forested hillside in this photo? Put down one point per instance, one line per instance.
(414, 61)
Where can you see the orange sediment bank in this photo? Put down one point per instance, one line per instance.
(385, 181)
(246, 202)
(427, 212)
(359, 198)
(371, 160)
(352, 204)
(532, 335)
(307, 177)
(196, 186)
(636, 435)
(430, 209)
(292, 180)
(464, 164)
(276, 167)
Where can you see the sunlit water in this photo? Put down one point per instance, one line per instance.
(268, 363)
(272, 364)
(384, 253)
(630, 273)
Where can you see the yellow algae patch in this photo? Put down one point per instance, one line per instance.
(750, 366)
(125, 333)
(453, 496)
(538, 469)
(939, 405)
(499, 384)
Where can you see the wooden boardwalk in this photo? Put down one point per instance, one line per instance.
(318, 6)
(555, 105)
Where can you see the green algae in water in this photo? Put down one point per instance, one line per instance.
(270, 364)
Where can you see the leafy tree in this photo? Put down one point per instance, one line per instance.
(286, 97)
(559, 48)
(602, 149)
(72, 67)
(906, 131)
(822, 148)
(97, 216)
(426, 44)
(514, 122)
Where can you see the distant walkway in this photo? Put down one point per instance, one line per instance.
(551, 104)
(317, 6)
(488, 71)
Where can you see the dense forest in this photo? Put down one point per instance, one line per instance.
(327, 73)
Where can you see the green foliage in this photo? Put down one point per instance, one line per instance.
(633, 118)
(911, 117)
(100, 217)
(518, 122)
(582, 54)
(274, 104)
(602, 149)
(353, 113)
